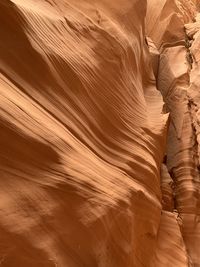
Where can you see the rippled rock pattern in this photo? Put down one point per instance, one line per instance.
(99, 133)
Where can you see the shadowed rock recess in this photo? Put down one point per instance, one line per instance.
(99, 133)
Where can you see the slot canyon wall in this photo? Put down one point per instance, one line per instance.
(99, 133)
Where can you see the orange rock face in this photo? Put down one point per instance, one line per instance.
(99, 133)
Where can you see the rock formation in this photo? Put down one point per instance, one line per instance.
(99, 133)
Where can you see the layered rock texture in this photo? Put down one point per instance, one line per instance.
(99, 133)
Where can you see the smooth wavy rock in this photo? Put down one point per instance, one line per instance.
(170, 243)
(100, 137)
(82, 135)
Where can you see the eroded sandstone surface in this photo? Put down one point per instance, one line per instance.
(99, 133)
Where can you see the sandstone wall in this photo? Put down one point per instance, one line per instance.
(99, 133)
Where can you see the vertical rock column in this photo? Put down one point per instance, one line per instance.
(191, 216)
(165, 26)
(170, 245)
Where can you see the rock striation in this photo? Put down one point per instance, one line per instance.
(99, 133)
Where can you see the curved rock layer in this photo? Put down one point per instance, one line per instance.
(86, 179)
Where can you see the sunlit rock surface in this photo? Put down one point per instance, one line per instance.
(99, 133)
